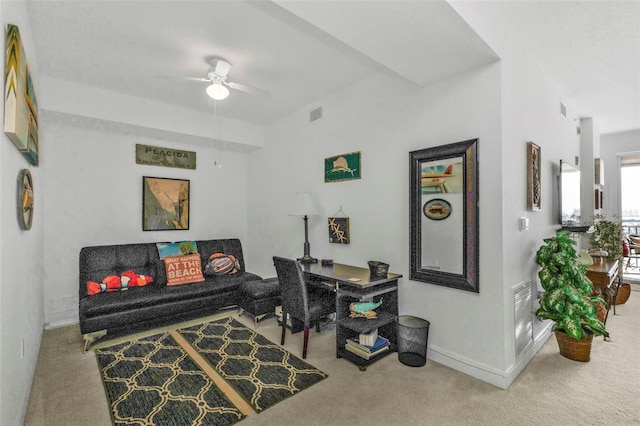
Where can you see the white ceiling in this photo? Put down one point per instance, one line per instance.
(301, 51)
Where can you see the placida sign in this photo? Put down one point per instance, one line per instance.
(165, 157)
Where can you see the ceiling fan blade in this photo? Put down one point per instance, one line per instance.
(199, 79)
(247, 89)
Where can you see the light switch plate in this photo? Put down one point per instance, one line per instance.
(524, 223)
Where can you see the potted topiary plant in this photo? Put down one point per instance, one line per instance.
(567, 299)
(607, 236)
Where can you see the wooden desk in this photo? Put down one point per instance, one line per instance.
(354, 284)
(603, 272)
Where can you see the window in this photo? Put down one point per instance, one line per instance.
(630, 189)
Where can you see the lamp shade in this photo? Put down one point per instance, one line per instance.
(217, 91)
(303, 205)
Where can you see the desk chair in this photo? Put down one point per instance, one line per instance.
(308, 305)
(633, 244)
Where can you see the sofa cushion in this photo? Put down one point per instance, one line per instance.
(176, 249)
(144, 297)
(183, 269)
(221, 264)
(98, 262)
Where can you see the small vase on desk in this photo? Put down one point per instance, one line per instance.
(585, 258)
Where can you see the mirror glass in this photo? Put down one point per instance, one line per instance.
(570, 191)
(444, 215)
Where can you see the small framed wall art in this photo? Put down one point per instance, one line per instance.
(343, 167)
(25, 199)
(165, 204)
(534, 189)
(339, 230)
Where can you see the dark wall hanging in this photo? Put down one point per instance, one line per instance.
(534, 189)
(444, 224)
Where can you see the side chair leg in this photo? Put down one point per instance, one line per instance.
(306, 341)
(284, 326)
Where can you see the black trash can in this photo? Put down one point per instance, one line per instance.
(413, 334)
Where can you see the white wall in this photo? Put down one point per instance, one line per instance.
(611, 145)
(94, 197)
(530, 112)
(385, 126)
(21, 256)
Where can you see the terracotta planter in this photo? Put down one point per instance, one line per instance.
(576, 350)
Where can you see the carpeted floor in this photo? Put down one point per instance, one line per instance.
(552, 390)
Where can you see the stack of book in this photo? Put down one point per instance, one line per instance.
(354, 346)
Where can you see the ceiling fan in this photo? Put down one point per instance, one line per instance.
(217, 77)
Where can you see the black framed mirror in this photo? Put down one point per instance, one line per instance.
(444, 223)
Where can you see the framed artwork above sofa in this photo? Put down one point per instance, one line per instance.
(165, 204)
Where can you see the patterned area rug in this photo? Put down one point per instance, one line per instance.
(153, 380)
(262, 372)
(215, 373)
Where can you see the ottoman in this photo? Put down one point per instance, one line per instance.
(259, 298)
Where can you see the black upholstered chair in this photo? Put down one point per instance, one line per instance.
(306, 304)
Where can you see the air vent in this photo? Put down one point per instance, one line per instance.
(523, 317)
(315, 114)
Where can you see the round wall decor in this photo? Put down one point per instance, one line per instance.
(25, 199)
(437, 209)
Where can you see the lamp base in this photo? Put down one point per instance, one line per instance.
(307, 260)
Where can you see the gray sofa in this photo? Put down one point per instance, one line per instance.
(156, 304)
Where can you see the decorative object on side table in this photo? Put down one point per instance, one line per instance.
(585, 258)
(378, 269)
(364, 309)
(304, 206)
(607, 236)
(567, 299)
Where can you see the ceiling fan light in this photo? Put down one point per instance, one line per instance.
(217, 91)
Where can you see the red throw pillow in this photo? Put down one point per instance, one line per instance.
(183, 269)
(115, 283)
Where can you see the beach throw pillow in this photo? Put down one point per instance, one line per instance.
(176, 249)
(117, 283)
(183, 269)
(221, 264)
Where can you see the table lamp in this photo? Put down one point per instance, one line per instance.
(303, 206)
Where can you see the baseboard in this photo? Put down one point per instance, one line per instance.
(58, 324)
(486, 373)
(527, 355)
